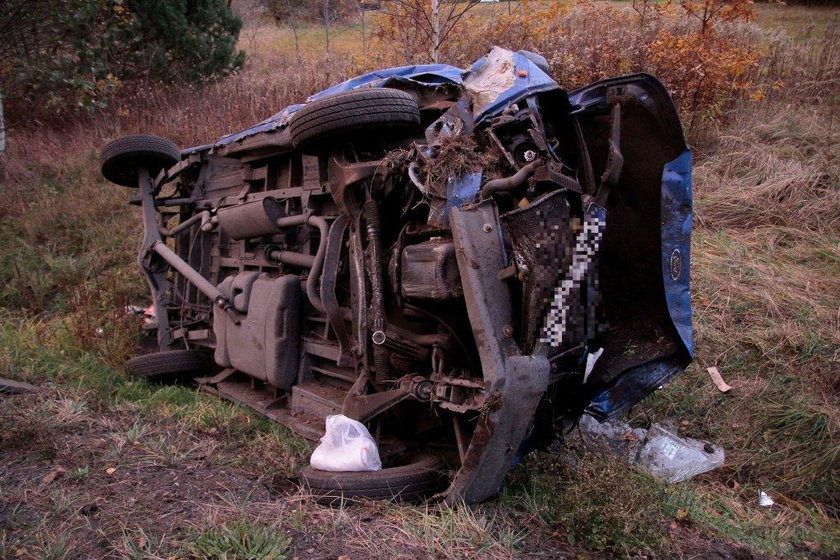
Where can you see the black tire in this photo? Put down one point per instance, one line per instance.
(168, 365)
(122, 159)
(349, 115)
(415, 481)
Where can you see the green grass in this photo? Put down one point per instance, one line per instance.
(606, 506)
(79, 474)
(239, 540)
(31, 351)
(600, 503)
(735, 516)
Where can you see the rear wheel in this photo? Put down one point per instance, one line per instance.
(121, 160)
(169, 364)
(414, 481)
(344, 117)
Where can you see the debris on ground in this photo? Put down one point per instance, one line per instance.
(148, 313)
(57, 472)
(670, 458)
(764, 499)
(658, 450)
(717, 379)
(10, 387)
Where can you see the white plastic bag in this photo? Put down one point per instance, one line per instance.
(346, 446)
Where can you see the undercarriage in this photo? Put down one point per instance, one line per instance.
(460, 261)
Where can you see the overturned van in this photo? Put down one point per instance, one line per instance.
(460, 260)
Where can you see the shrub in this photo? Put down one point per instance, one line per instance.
(705, 63)
(63, 55)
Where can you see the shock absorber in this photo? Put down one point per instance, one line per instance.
(381, 356)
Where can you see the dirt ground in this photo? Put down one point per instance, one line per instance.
(82, 480)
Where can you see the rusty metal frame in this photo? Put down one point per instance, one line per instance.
(515, 383)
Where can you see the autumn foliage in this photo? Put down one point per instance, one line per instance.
(710, 12)
(703, 50)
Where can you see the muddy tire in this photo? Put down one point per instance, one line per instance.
(415, 481)
(171, 364)
(346, 116)
(121, 160)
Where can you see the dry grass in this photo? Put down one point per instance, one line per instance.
(155, 479)
(458, 155)
(599, 502)
(802, 23)
(766, 298)
(189, 114)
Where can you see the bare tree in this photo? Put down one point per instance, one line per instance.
(362, 20)
(434, 20)
(2, 129)
(330, 12)
(294, 13)
(291, 13)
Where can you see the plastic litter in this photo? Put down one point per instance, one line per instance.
(670, 458)
(615, 438)
(346, 446)
(665, 455)
(764, 500)
(590, 362)
(717, 379)
(148, 313)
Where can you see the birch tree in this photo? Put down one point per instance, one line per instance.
(429, 21)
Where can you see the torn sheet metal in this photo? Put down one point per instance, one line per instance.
(459, 191)
(462, 190)
(427, 75)
(632, 386)
(522, 78)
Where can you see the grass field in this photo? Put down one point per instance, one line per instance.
(95, 465)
